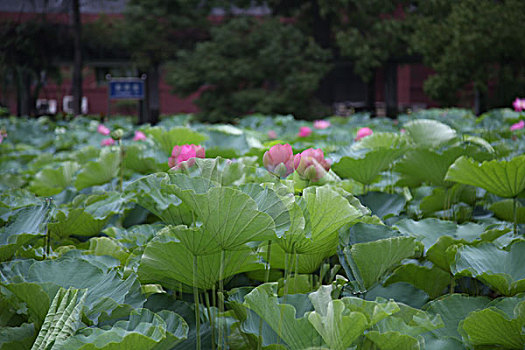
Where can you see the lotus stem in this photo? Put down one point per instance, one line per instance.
(212, 319)
(266, 279)
(121, 165)
(221, 300)
(452, 284)
(196, 301)
(515, 215)
(296, 270)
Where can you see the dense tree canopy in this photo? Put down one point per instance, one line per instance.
(252, 66)
(471, 41)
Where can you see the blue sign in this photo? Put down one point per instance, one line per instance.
(126, 89)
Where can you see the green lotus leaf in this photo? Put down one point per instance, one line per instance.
(427, 166)
(18, 198)
(230, 217)
(217, 170)
(402, 292)
(429, 133)
(167, 261)
(364, 232)
(48, 182)
(374, 311)
(432, 280)
(62, 319)
(338, 328)
(37, 285)
(383, 204)
(502, 270)
(444, 198)
(88, 215)
(249, 321)
(35, 297)
(17, 338)
(366, 168)
(479, 141)
(27, 224)
(107, 246)
(503, 178)
(492, 327)
(370, 262)
(167, 139)
(134, 237)
(438, 235)
(324, 212)
(382, 140)
(410, 321)
(99, 172)
(453, 309)
(504, 210)
(306, 263)
(270, 203)
(393, 341)
(144, 160)
(156, 194)
(143, 330)
(285, 320)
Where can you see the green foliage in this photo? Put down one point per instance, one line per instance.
(250, 65)
(464, 41)
(340, 277)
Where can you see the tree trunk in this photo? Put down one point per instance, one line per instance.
(391, 89)
(480, 101)
(24, 93)
(153, 94)
(371, 95)
(77, 67)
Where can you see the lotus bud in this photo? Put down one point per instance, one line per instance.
(103, 130)
(321, 124)
(311, 164)
(279, 160)
(185, 153)
(117, 134)
(139, 136)
(519, 104)
(363, 132)
(304, 131)
(107, 142)
(517, 126)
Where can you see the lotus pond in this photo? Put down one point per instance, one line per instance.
(350, 233)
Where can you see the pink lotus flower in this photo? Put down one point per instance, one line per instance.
(363, 132)
(272, 134)
(402, 131)
(519, 104)
(321, 124)
(304, 131)
(279, 160)
(185, 153)
(102, 129)
(518, 125)
(107, 142)
(311, 164)
(139, 136)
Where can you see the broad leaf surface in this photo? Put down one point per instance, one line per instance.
(503, 178)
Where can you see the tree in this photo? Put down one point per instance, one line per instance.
(373, 34)
(251, 65)
(30, 50)
(77, 58)
(472, 42)
(156, 30)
